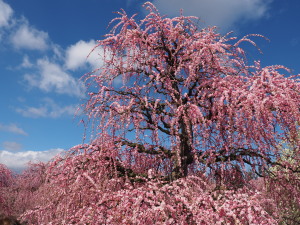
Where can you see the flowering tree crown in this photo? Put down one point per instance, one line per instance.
(174, 97)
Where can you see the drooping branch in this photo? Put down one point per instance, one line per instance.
(152, 149)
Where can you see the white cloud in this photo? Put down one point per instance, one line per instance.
(58, 51)
(52, 77)
(12, 146)
(28, 37)
(222, 13)
(26, 62)
(34, 112)
(18, 160)
(49, 109)
(5, 13)
(77, 55)
(12, 128)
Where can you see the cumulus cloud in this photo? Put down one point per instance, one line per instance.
(5, 13)
(12, 128)
(18, 160)
(221, 13)
(77, 55)
(27, 37)
(48, 109)
(52, 77)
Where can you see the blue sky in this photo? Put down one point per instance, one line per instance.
(43, 49)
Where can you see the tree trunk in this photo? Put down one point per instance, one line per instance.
(186, 156)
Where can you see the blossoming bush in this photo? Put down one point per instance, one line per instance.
(86, 199)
